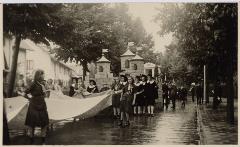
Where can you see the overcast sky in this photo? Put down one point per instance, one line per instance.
(146, 12)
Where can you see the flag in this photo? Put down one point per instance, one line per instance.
(139, 48)
(130, 44)
(104, 50)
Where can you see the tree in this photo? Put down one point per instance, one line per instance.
(207, 35)
(34, 21)
(99, 26)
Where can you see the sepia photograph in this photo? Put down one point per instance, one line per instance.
(129, 73)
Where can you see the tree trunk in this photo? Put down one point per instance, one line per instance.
(85, 69)
(230, 91)
(12, 75)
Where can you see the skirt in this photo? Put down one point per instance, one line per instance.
(37, 115)
(139, 100)
(126, 104)
(116, 100)
(150, 101)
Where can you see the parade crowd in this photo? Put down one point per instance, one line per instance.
(130, 96)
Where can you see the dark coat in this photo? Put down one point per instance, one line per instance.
(37, 115)
(127, 98)
(71, 91)
(116, 96)
(139, 97)
(92, 90)
(152, 93)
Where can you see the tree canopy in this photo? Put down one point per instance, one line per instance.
(99, 26)
(206, 33)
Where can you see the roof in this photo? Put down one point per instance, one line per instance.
(137, 57)
(26, 44)
(149, 65)
(128, 53)
(103, 59)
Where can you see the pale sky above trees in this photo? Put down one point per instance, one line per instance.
(146, 12)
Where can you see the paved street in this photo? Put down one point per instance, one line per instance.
(192, 125)
(214, 127)
(168, 127)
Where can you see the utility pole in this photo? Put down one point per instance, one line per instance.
(205, 88)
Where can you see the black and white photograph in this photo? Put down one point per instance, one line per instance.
(120, 73)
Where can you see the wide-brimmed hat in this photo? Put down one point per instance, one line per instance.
(94, 82)
(144, 76)
(125, 78)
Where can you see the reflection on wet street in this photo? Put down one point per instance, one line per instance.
(167, 127)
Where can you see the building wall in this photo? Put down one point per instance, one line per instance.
(105, 77)
(123, 59)
(33, 58)
(140, 67)
(40, 60)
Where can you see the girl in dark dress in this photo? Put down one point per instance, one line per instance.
(144, 94)
(37, 115)
(152, 94)
(137, 101)
(116, 87)
(72, 89)
(123, 83)
(126, 100)
(92, 88)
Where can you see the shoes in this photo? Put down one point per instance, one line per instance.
(120, 123)
(31, 140)
(128, 123)
(152, 115)
(43, 141)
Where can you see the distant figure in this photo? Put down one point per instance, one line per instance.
(199, 93)
(72, 87)
(117, 90)
(152, 94)
(57, 87)
(123, 83)
(144, 94)
(192, 90)
(137, 101)
(126, 101)
(217, 95)
(37, 115)
(173, 94)
(92, 88)
(183, 95)
(49, 86)
(165, 90)
(20, 87)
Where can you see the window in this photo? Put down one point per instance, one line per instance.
(134, 66)
(100, 69)
(30, 64)
(127, 64)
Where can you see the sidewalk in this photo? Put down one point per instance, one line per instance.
(213, 127)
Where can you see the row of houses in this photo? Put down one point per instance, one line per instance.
(34, 56)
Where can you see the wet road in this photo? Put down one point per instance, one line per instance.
(167, 127)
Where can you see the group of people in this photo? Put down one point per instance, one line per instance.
(79, 88)
(198, 90)
(36, 92)
(133, 96)
(170, 93)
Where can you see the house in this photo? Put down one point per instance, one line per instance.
(34, 56)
